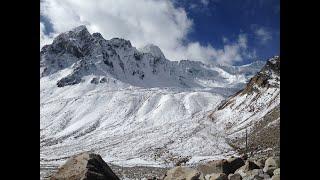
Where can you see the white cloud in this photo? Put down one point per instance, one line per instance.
(205, 2)
(263, 35)
(141, 22)
(44, 38)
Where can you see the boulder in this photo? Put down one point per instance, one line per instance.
(218, 166)
(221, 166)
(216, 176)
(271, 164)
(87, 166)
(260, 162)
(276, 172)
(179, 173)
(249, 165)
(234, 164)
(275, 177)
(235, 176)
(255, 174)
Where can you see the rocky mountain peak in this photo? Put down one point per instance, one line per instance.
(273, 64)
(120, 43)
(153, 49)
(269, 76)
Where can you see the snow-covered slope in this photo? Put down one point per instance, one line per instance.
(134, 107)
(255, 108)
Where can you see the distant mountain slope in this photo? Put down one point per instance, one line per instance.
(256, 108)
(134, 107)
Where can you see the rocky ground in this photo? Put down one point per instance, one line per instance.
(91, 166)
(137, 172)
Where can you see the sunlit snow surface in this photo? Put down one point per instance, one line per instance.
(128, 125)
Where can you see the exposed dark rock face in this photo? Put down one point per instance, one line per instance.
(269, 71)
(85, 166)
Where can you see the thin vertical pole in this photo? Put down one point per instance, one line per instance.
(246, 141)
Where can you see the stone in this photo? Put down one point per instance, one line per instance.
(221, 166)
(180, 173)
(276, 172)
(216, 176)
(235, 176)
(217, 166)
(275, 177)
(234, 164)
(260, 162)
(271, 164)
(249, 165)
(255, 174)
(85, 165)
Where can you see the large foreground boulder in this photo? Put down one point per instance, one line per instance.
(183, 173)
(221, 166)
(85, 166)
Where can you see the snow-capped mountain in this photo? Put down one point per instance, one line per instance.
(132, 106)
(85, 54)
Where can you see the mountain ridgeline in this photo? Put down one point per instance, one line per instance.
(90, 54)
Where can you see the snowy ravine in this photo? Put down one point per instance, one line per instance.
(131, 106)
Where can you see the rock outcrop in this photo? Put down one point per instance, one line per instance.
(86, 166)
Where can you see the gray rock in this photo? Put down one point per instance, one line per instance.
(103, 80)
(255, 174)
(275, 177)
(221, 166)
(260, 162)
(84, 166)
(218, 166)
(94, 80)
(216, 176)
(276, 172)
(235, 176)
(271, 164)
(249, 165)
(234, 164)
(179, 173)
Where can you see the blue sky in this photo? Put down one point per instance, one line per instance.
(225, 31)
(228, 18)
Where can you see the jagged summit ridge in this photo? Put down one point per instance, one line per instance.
(90, 54)
(152, 49)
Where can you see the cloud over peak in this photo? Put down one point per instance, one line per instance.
(142, 22)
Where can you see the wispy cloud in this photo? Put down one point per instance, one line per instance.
(263, 35)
